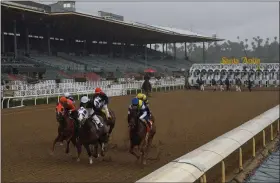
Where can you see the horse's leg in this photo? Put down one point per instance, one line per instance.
(60, 139)
(143, 146)
(147, 147)
(89, 153)
(78, 146)
(132, 151)
(68, 143)
(102, 144)
(95, 152)
(54, 142)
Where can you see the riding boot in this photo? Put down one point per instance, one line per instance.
(97, 121)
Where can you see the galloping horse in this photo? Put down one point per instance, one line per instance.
(89, 134)
(139, 136)
(147, 87)
(66, 130)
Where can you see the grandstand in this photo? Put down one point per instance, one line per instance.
(55, 41)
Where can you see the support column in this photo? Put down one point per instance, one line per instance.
(3, 42)
(146, 55)
(166, 48)
(48, 39)
(162, 47)
(203, 52)
(150, 46)
(27, 41)
(15, 39)
(174, 49)
(186, 50)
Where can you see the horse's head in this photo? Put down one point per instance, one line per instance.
(82, 115)
(133, 117)
(60, 117)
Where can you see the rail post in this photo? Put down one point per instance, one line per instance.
(2, 103)
(271, 132)
(263, 133)
(35, 101)
(278, 126)
(203, 179)
(47, 99)
(240, 159)
(21, 102)
(223, 172)
(254, 147)
(8, 103)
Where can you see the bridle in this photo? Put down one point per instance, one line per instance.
(82, 115)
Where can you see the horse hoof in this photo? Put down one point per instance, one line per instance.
(61, 144)
(51, 153)
(90, 162)
(78, 160)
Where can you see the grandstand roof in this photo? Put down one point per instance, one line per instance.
(85, 26)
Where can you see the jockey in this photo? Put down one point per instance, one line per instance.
(68, 96)
(83, 106)
(100, 102)
(144, 112)
(96, 105)
(143, 97)
(67, 104)
(69, 107)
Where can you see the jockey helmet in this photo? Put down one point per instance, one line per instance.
(98, 90)
(135, 101)
(66, 94)
(63, 100)
(84, 99)
(142, 96)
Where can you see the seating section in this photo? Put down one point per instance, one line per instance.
(95, 66)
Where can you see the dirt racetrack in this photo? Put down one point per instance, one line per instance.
(185, 120)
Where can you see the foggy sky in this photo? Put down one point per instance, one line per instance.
(226, 19)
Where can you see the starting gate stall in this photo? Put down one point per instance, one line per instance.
(264, 74)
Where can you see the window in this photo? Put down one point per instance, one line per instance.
(67, 5)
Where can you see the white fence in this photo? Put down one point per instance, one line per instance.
(113, 90)
(194, 165)
(51, 88)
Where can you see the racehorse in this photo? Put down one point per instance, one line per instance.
(139, 136)
(89, 134)
(66, 130)
(147, 88)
